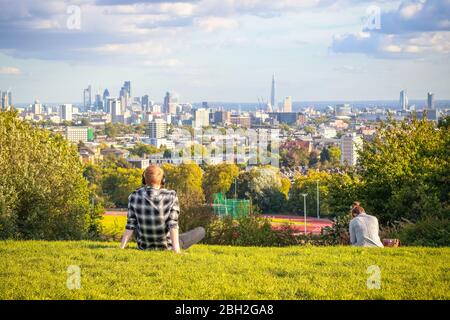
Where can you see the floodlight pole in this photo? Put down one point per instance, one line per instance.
(304, 208)
(318, 201)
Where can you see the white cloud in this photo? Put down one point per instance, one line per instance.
(139, 48)
(409, 10)
(165, 63)
(10, 71)
(210, 24)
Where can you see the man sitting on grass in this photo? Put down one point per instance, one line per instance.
(153, 213)
(364, 229)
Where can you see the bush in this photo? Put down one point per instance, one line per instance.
(43, 194)
(430, 232)
(338, 234)
(243, 231)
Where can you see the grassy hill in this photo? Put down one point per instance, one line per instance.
(38, 270)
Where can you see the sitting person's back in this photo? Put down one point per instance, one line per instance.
(153, 215)
(364, 229)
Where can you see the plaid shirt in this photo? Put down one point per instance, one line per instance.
(152, 213)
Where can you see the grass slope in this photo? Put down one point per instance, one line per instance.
(38, 270)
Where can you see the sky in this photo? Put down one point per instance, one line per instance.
(225, 50)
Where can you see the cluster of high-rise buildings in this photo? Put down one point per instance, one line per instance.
(345, 127)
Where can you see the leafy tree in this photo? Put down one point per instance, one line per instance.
(186, 179)
(294, 157)
(85, 122)
(263, 185)
(331, 155)
(141, 150)
(118, 183)
(314, 158)
(43, 194)
(405, 170)
(335, 155)
(308, 184)
(219, 178)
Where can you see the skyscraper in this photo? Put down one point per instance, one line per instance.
(127, 87)
(66, 112)
(87, 98)
(98, 101)
(170, 105)
(145, 102)
(36, 107)
(116, 110)
(4, 97)
(404, 104)
(272, 93)
(430, 101)
(105, 101)
(287, 105)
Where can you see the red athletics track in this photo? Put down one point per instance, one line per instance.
(313, 225)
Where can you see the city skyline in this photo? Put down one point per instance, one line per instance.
(208, 50)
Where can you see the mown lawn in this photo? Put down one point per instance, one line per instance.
(38, 270)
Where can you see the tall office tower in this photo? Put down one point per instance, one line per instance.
(272, 93)
(170, 104)
(201, 118)
(98, 101)
(287, 105)
(4, 100)
(430, 101)
(66, 112)
(87, 98)
(350, 144)
(145, 102)
(116, 110)
(10, 103)
(404, 104)
(157, 129)
(36, 108)
(105, 101)
(127, 87)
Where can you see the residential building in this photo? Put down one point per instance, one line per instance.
(201, 118)
(66, 112)
(77, 134)
(350, 144)
(157, 129)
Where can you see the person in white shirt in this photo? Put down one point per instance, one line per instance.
(364, 229)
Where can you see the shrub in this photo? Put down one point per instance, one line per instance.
(430, 232)
(244, 231)
(43, 194)
(338, 234)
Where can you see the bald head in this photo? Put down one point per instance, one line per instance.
(153, 175)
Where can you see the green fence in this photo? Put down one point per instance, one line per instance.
(230, 207)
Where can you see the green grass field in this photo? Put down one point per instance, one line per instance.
(38, 270)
